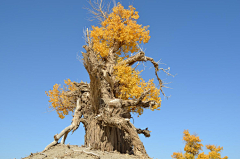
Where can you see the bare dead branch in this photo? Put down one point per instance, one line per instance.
(89, 41)
(97, 10)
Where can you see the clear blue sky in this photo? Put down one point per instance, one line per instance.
(199, 40)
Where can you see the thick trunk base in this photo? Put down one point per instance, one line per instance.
(106, 138)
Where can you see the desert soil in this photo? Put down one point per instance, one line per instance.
(60, 151)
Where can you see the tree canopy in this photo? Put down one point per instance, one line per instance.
(119, 28)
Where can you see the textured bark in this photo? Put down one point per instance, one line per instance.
(106, 138)
(132, 134)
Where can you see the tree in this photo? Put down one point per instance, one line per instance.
(116, 88)
(193, 146)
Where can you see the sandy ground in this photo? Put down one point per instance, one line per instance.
(73, 151)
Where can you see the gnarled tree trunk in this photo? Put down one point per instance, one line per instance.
(105, 117)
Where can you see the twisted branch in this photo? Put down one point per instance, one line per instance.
(141, 57)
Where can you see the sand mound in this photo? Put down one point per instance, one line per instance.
(60, 151)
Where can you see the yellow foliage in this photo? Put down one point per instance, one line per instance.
(121, 27)
(214, 148)
(193, 146)
(202, 156)
(215, 152)
(59, 101)
(132, 86)
(189, 156)
(178, 155)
